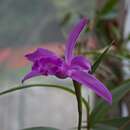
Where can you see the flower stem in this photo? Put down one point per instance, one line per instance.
(88, 112)
(78, 93)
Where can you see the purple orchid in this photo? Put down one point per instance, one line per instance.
(77, 68)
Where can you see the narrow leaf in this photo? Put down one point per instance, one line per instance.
(35, 86)
(108, 7)
(100, 58)
(116, 122)
(101, 127)
(40, 128)
(43, 85)
(102, 108)
(66, 19)
(104, 127)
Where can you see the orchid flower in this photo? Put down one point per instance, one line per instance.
(77, 68)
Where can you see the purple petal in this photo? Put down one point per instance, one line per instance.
(30, 75)
(50, 65)
(39, 53)
(81, 62)
(94, 84)
(72, 39)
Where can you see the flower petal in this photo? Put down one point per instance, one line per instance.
(30, 75)
(39, 53)
(94, 84)
(49, 65)
(72, 39)
(81, 62)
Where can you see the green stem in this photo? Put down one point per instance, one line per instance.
(88, 115)
(78, 93)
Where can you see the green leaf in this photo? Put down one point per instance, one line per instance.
(34, 86)
(108, 7)
(104, 127)
(100, 58)
(66, 18)
(124, 54)
(102, 107)
(40, 128)
(115, 31)
(109, 16)
(116, 122)
(43, 85)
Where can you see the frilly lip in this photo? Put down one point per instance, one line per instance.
(40, 53)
